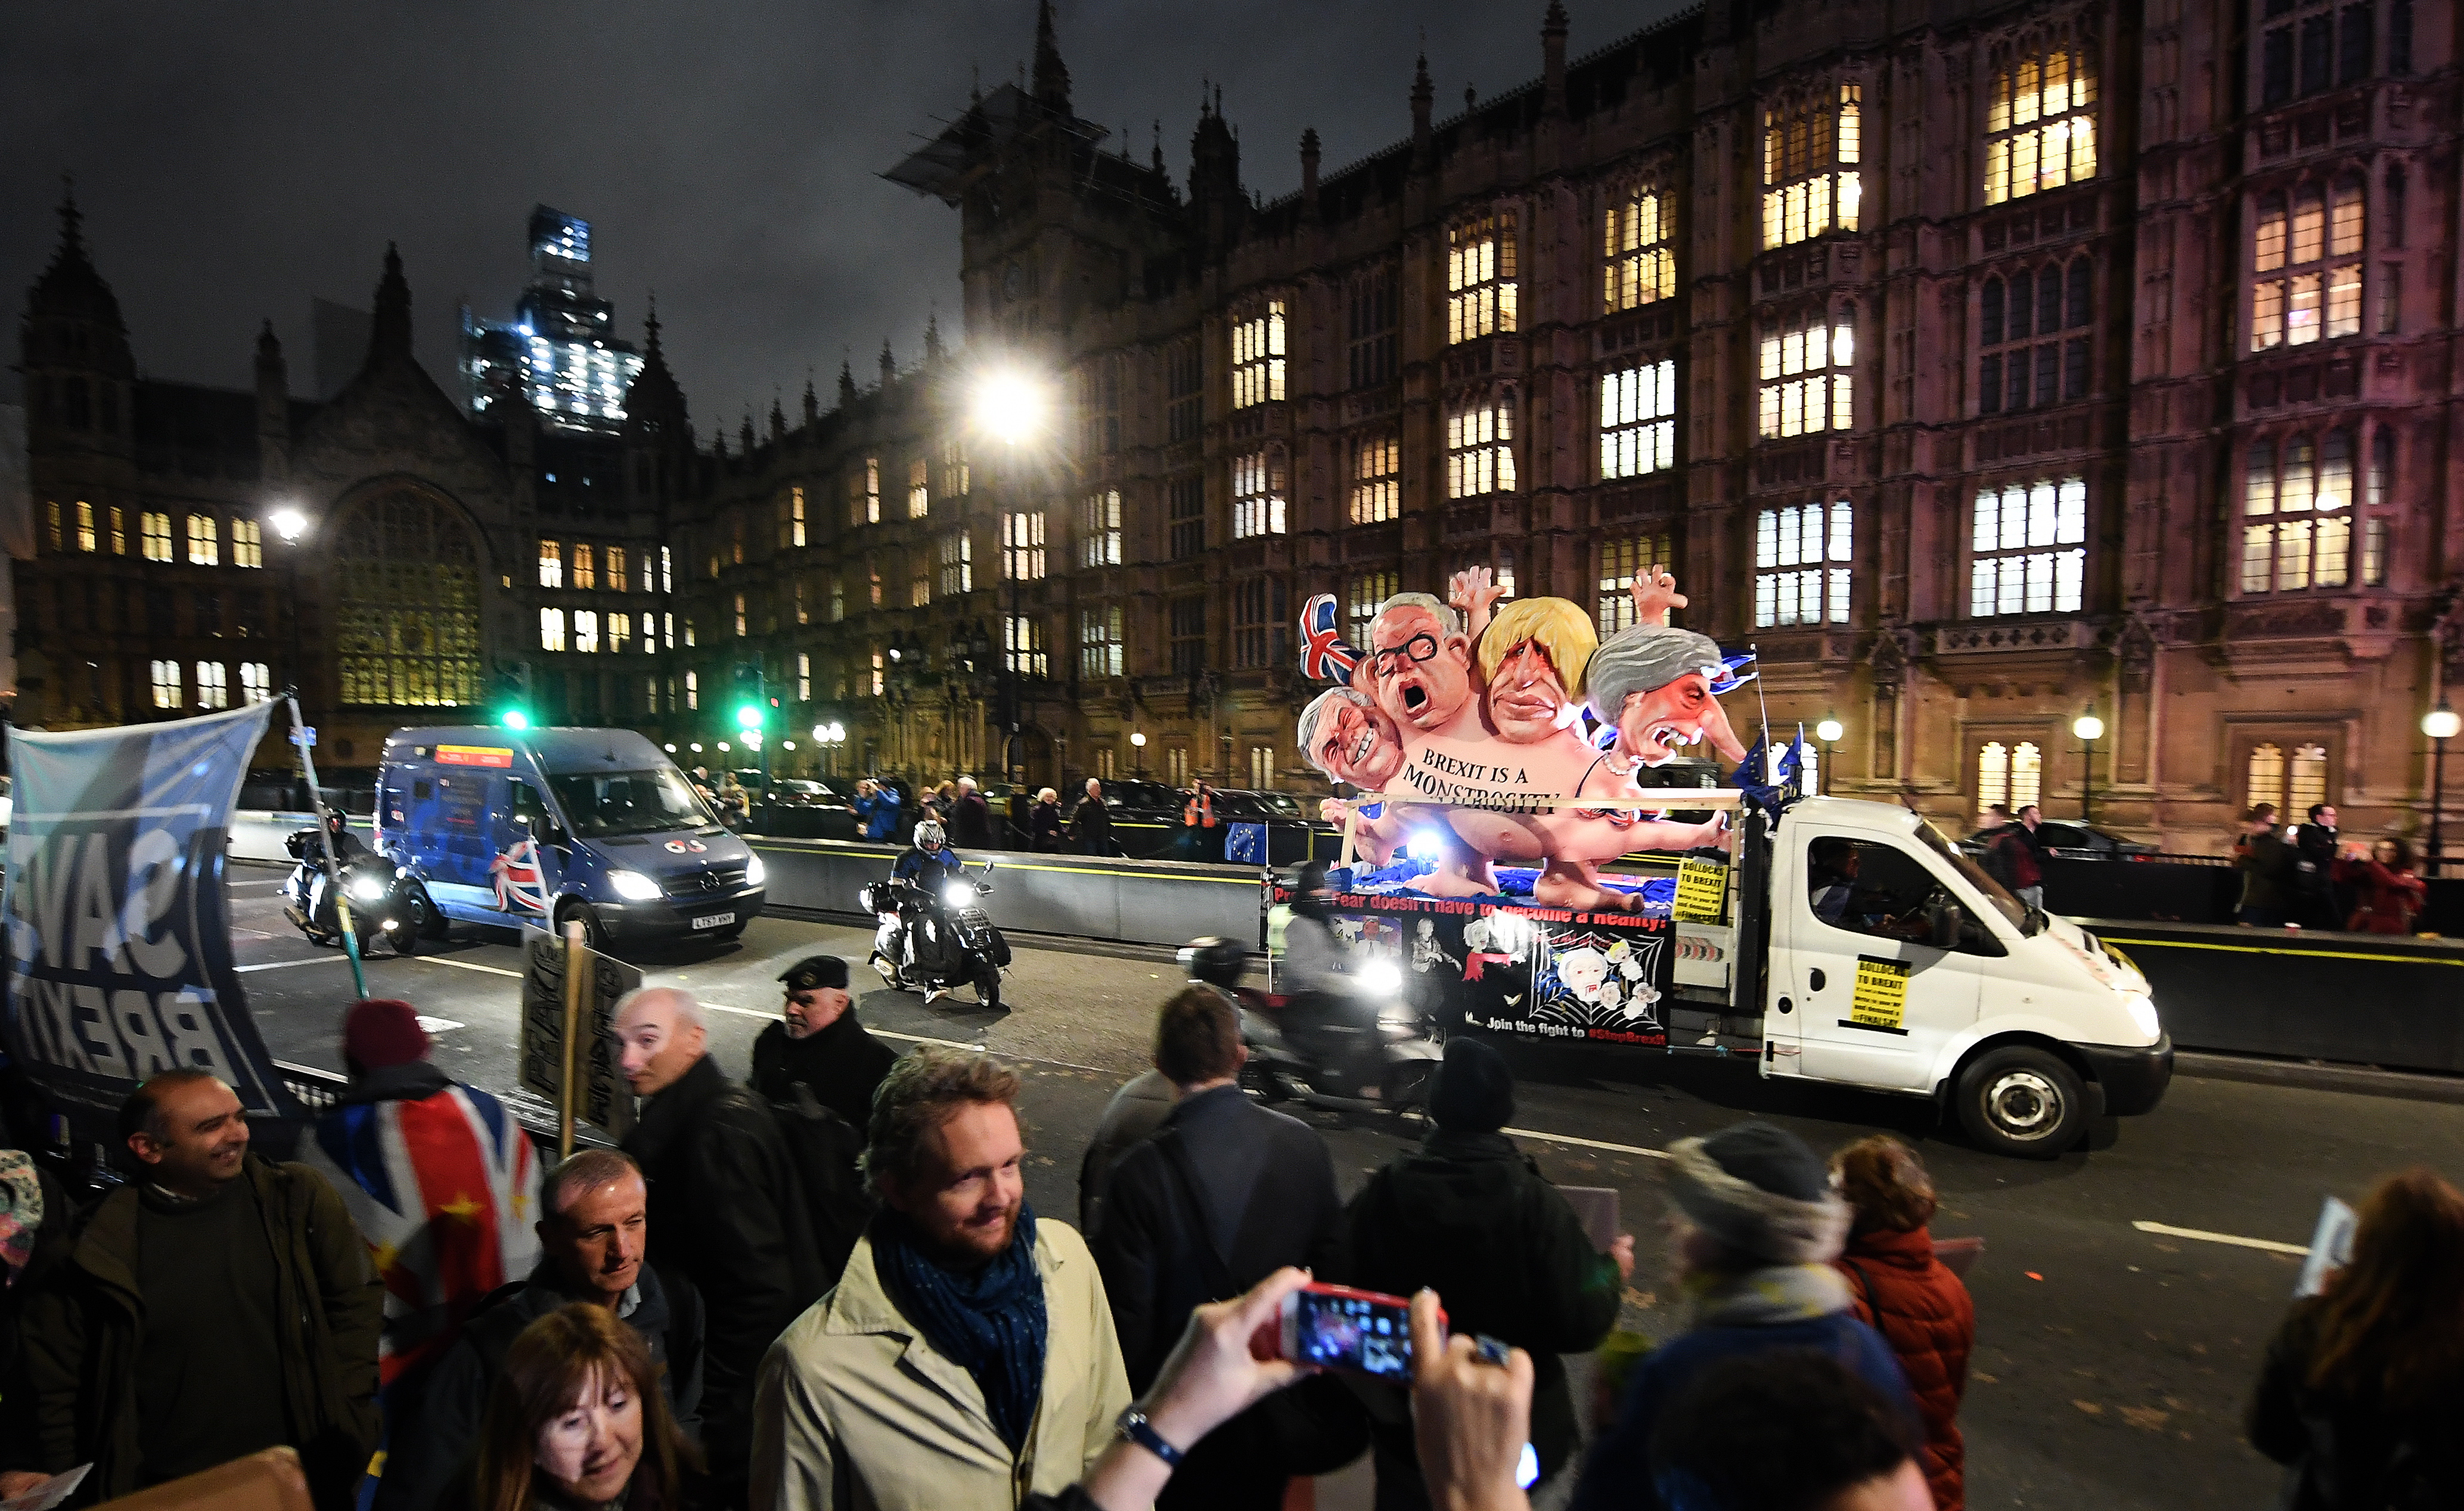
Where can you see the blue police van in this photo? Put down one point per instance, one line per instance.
(542, 826)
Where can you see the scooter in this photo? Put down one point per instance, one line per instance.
(932, 942)
(386, 901)
(1289, 1063)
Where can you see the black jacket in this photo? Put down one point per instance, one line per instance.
(971, 821)
(431, 1436)
(843, 1064)
(1090, 826)
(1135, 1111)
(2345, 1450)
(18, 1449)
(1468, 1215)
(1268, 1185)
(1044, 828)
(726, 1215)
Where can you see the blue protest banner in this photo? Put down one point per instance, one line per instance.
(118, 932)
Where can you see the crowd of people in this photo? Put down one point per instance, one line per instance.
(2319, 879)
(824, 1289)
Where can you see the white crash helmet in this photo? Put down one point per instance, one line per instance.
(928, 836)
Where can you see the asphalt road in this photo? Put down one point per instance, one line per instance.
(2112, 1363)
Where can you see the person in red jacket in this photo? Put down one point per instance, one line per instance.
(2386, 896)
(1897, 1286)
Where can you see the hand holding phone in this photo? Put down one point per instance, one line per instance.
(1473, 1419)
(1338, 1328)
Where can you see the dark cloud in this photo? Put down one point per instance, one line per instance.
(236, 159)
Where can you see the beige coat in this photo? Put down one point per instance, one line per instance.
(856, 1411)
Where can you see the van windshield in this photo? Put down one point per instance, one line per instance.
(629, 803)
(2027, 920)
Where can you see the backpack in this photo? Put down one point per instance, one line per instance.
(823, 1148)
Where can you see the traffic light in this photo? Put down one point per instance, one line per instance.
(752, 710)
(512, 695)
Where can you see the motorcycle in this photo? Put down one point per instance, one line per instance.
(1289, 1060)
(945, 940)
(386, 901)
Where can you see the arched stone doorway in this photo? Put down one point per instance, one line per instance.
(405, 601)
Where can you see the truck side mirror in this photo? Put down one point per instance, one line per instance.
(546, 830)
(1948, 923)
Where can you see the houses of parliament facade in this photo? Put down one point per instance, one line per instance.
(1982, 365)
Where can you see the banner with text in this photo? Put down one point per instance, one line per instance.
(118, 931)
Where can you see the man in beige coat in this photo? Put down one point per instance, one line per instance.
(966, 1357)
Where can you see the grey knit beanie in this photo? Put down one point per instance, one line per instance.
(1761, 1192)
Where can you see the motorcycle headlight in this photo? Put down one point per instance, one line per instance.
(755, 871)
(366, 888)
(633, 886)
(1381, 976)
(957, 895)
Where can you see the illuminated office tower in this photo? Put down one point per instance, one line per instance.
(560, 349)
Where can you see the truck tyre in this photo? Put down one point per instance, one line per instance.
(433, 923)
(594, 934)
(2023, 1102)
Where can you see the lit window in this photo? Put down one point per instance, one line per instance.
(692, 690)
(956, 476)
(1023, 643)
(85, 540)
(585, 630)
(838, 598)
(255, 682)
(919, 581)
(2040, 122)
(2028, 361)
(1257, 495)
(157, 531)
(1806, 377)
(1258, 358)
(871, 483)
(551, 564)
(1479, 450)
(796, 517)
(214, 686)
(2012, 776)
(878, 674)
(802, 616)
(615, 567)
(551, 629)
(1639, 420)
(1258, 618)
(119, 532)
(1802, 564)
(586, 566)
(1023, 547)
(620, 633)
(735, 541)
(1810, 147)
(1262, 768)
(205, 540)
(667, 581)
(803, 677)
(873, 574)
(52, 516)
(2292, 783)
(1480, 277)
(2028, 555)
(2305, 252)
(919, 488)
(1376, 479)
(2374, 551)
(1099, 641)
(167, 684)
(958, 563)
(1099, 529)
(1640, 266)
(1622, 562)
(743, 619)
(1361, 600)
(247, 543)
(2297, 513)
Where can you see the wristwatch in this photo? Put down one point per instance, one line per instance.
(1135, 1428)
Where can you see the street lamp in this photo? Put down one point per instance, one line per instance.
(1138, 743)
(1011, 405)
(2089, 728)
(289, 525)
(1828, 731)
(2441, 724)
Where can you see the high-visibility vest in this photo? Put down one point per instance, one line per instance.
(1200, 813)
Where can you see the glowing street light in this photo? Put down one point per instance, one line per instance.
(1008, 404)
(2441, 724)
(288, 523)
(1828, 731)
(2089, 728)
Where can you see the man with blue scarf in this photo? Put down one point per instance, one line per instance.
(966, 1358)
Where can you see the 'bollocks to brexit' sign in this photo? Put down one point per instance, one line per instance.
(119, 937)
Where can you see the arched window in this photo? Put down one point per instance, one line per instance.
(407, 602)
(2297, 509)
(2308, 268)
(2040, 122)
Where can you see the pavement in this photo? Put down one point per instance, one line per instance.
(2124, 1297)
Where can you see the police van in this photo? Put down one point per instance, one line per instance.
(546, 826)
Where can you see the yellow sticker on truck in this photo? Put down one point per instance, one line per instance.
(1880, 998)
(1701, 892)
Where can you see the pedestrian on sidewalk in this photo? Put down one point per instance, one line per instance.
(2011, 857)
(219, 1305)
(1091, 823)
(2388, 897)
(38, 1220)
(1135, 1111)
(593, 1235)
(1043, 824)
(876, 809)
(2315, 848)
(576, 1420)
(2363, 1384)
(1901, 1290)
(966, 1358)
(1791, 1428)
(726, 1211)
(819, 1044)
(1223, 1194)
(2266, 866)
(971, 817)
(1757, 1226)
(438, 1177)
(1468, 1215)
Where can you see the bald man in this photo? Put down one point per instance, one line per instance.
(725, 1210)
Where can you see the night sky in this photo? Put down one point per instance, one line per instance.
(235, 158)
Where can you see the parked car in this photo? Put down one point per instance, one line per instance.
(2076, 840)
(1250, 805)
(799, 792)
(1135, 797)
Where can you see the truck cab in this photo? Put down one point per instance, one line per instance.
(546, 826)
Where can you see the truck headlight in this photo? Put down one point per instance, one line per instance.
(633, 886)
(755, 871)
(2143, 1013)
(366, 888)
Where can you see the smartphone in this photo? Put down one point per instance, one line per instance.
(1336, 1327)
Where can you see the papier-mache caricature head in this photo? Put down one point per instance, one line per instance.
(1656, 685)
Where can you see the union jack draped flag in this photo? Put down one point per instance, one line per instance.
(444, 1189)
(521, 884)
(1324, 655)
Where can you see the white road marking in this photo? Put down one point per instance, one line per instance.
(2234, 1239)
(1587, 1143)
(437, 1025)
(285, 965)
(460, 965)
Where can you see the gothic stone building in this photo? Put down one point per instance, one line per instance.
(1984, 366)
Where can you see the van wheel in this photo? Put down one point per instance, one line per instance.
(2023, 1102)
(594, 934)
(432, 924)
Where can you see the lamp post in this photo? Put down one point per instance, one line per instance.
(289, 525)
(1138, 743)
(2441, 725)
(1828, 731)
(1009, 404)
(829, 737)
(2089, 728)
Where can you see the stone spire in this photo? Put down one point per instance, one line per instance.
(1051, 75)
(933, 336)
(1552, 60)
(888, 365)
(777, 419)
(812, 399)
(847, 383)
(389, 335)
(1309, 171)
(1425, 94)
(654, 405)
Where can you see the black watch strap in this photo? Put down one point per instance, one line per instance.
(1135, 1428)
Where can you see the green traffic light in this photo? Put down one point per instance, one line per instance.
(514, 719)
(748, 716)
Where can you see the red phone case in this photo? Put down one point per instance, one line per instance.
(1401, 1303)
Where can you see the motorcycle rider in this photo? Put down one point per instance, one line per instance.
(1325, 1015)
(926, 864)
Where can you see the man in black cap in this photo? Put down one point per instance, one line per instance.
(820, 1044)
(1470, 1216)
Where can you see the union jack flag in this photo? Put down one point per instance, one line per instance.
(444, 1189)
(1324, 655)
(521, 883)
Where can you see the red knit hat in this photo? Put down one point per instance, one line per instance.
(382, 1031)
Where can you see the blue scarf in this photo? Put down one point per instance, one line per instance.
(990, 1323)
